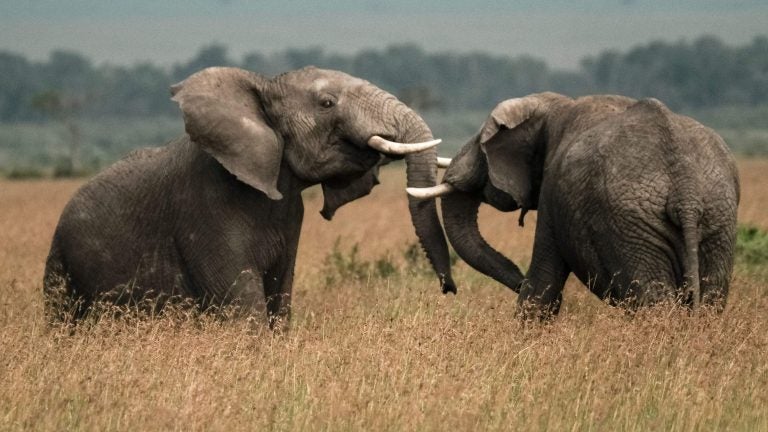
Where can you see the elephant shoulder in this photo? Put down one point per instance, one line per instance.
(594, 108)
(143, 154)
(650, 104)
(648, 111)
(589, 113)
(604, 102)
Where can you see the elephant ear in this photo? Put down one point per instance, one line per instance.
(336, 193)
(511, 141)
(223, 114)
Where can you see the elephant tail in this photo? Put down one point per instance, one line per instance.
(689, 222)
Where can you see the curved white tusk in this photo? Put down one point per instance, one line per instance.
(396, 148)
(430, 192)
(443, 162)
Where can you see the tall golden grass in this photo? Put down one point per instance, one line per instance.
(379, 353)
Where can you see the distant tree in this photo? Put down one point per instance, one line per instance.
(69, 71)
(69, 84)
(367, 64)
(258, 63)
(64, 109)
(139, 90)
(210, 55)
(701, 73)
(754, 58)
(420, 98)
(569, 83)
(298, 58)
(17, 84)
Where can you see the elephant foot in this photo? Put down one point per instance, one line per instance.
(534, 309)
(449, 286)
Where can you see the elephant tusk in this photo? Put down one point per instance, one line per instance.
(430, 192)
(396, 148)
(443, 162)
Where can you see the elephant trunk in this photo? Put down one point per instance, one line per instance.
(421, 171)
(460, 217)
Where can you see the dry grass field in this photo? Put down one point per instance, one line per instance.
(375, 346)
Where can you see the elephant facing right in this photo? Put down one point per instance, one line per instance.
(638, 202)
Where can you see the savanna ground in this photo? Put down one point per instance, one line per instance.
(375, 346)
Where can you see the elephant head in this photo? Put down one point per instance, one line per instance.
(502, 165)
(325, 127)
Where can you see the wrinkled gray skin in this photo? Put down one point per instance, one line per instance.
(215, 215)
(637, 201)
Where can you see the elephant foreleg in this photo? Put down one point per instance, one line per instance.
(247, 296)
(278, 285)
(541, 293)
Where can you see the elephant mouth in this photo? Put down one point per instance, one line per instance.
(355, 160)
(388, 145)
(357, 148)
(365, 144)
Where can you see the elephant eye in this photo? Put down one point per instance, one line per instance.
(327, 103)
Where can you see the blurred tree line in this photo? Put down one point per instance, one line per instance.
(696, 74)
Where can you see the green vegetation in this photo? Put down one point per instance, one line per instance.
(752, 250)
(752, 245)
(340, 265)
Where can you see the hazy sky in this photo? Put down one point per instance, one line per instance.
(559, 31)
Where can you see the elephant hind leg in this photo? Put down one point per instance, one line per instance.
(62, 303)
(637, 274)
(649, 277)
(716, 264)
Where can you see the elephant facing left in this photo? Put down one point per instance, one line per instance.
(215, 215)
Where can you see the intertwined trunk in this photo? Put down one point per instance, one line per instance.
(422, 172)
(460, 218)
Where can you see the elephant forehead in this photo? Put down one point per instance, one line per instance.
(319, 84)
(310, 74)
(332, 74)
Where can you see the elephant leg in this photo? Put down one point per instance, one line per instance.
(62, 304)
(542, 292)
(637, 261)
(247, 296)
(278, 286)
(715, 269)
(641, 275)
